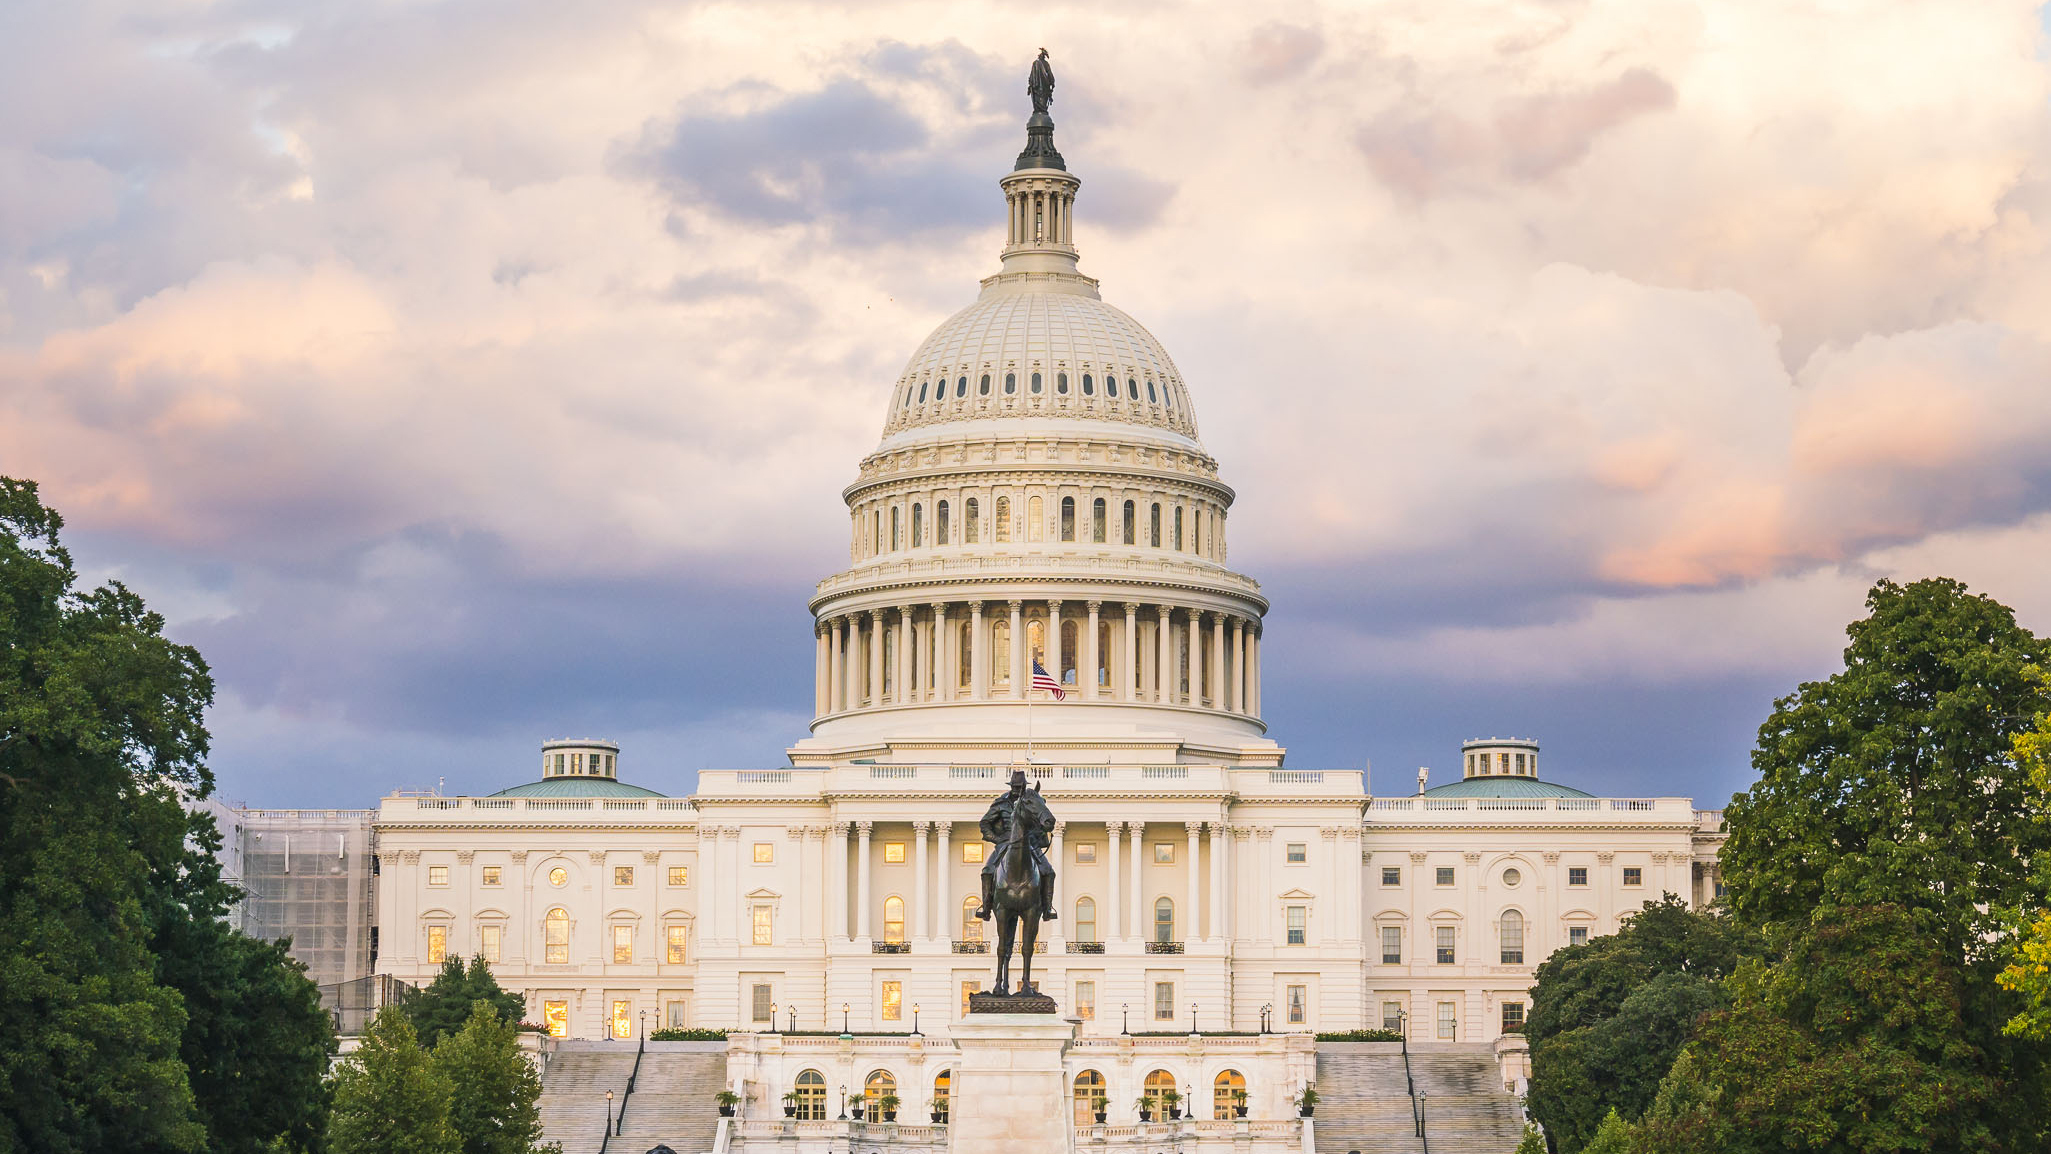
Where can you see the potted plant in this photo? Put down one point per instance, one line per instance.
(1305, 1101)
(888, 1105)
(1239, 1103)
(727, 1100)
(1171, 1102)
(1145, 1104)
(855, 1107)
(939, 1108)
(1101, 1106)
(790, 1104)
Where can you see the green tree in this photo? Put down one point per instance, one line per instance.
(389, 1096)
(1533, 1142)
(1608, 1017)
(1612, 1135)
(494, 1085)
(443, 1006)
(2029, 969)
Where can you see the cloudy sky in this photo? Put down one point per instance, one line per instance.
(461, 375)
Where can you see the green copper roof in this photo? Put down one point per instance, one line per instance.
(577, 787)
(1504, 787)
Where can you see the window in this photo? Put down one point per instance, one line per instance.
(924, 387)
(1445, 875)
(622, 944)
(1132, 388)
(1577, 875)
(893, 1001)
(1299, 1004)
(1298, 920)
(676, 940)
(1577, 935)
(437, 875)
(983, 386)
(967, 989)
(1225, 1091)
(555, 1017)
(1086, 1000)
(1512, 930)
(1445, 943)
(1097, 521)
(971, 925)
(1068, 518)
(1036, 519)
(940, 523)
(1061, 382)
(1392, 875)
(918, 524)
(1511, 877)
(1086, 853)
(763, 918)
(762, 1002)
(1036, 382)
(972, 852)
(1130, 538)
(1633, 876)
(943, 1093)
(765, 852)
(1164, 1001)
(673, 1014)
(1513, 1017)
(893, 919)
(1392, 1016)
(1164, 853)
(555, 937)
(623, 875)
(1011, 382)
(1154, 527)
(680, 876)
(1085, 919)
(1150, 392)
(893, 852)
(1449, 1026)
(1003, 519)
(437, 944)
(492, 940)
(1089, 1086)
(1164, 920)
(1176, 540)
(1297, 852)
(491, 875)
(971, 510)
(811, 1088)
(1392, 945)
(558, 877)
(875, 1088)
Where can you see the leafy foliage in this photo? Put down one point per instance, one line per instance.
(1612, 1135)
(389, 1096)
(444, 1006)
(493, 1085)
(1533, 1141)
(2029, 969)
(700, 1034)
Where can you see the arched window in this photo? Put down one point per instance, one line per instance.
(1085, 919)
(893, 919)
(1164, 919)
(1000, 655)
(919, 525)
(896, 528)
(1168, 396)
(1512, 928)
(1226, 1090)
(1097, 521)
(1036, 640)
(961, 387)
(1011, 382)
(983, 389)
(811, 1090)
(556, 937)
(1089, 1087)
(1154, 527)
(874, 1087)
(1003, 519)
(1130, 532)
(943, 1093)
(1061, 383)
(971, 925)
(1089, 387)
(1036, 382)
(1103, 654)
(940, 523)
(1070, 652)
(1036, 519)
(1158, 1083)
(969, 510)
(922, 392)
(1150, 392)
(1068, 518)
(1178, 529)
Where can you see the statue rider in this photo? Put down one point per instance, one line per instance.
(1039, 821)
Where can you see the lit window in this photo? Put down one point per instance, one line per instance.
(971, 925)
(893, 852)
(556, 938)
(1164, 1001)
(893, 919)
(1633, 876)
(1512, 930)
(491, 875)
(1577, 935)
(622, 944)
(558, 877)
(1226, 1091)
(1445, 940)
(1086, 853)
(676, 936)
(623, 875)
(1392, 945)
(1392, 1016)
(437, 944)
(1298, 852)
(1164, 920)
(555, 1017)
(1298, 918)
(1513, 1017)
(673, 1014)
(1577, 875)
(680, 875)
(492, 939)
(762, 922)
(762, 1003)
(765, 852)
(812, 1086)
(972, 852)
(1164, 853)
(1299, 1005)
(437, 875)
(1085, 919)
(1087, 1090)
(1086, 1001)
(1445, 875)
(875, 1088)
(893, 1001)
(1003, 526)
(1449, 1026)
(967, 989)
(1392, 875)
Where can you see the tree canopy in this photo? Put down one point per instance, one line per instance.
(389, 1096)
(493, 1087)
(444, 1005)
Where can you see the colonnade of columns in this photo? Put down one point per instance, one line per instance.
(1126, 651)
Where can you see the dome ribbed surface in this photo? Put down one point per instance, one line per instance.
(1051, 333)
(1504, 787)
(577, 787)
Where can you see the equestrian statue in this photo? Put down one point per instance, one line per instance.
(1018, 881)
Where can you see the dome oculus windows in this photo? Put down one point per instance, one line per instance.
(1036, 382)
(1011, 382)
(1088, 386)
(984, 388)
(1151, 398)
(961, 388)
(922, 393)
(1061, 383)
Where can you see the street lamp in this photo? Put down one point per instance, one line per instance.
(608, 1111)
(1192, 1017)
(793, 1012)
(1266, 1009)
(1403, 1028)
(915, 1017)
(843, 1017)
(772, 1017)
(843, 1101)
(644, 1025)
(1124, 1018)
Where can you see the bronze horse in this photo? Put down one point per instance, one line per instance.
(1020, 889)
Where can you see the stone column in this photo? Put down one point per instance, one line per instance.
(1115, 839)
(836, 671)
(1093, 657)
(1218, 842)
(979, 654)
(1128, 677)
(1253, 672)
(1224, 687)
(1196, 657)
(819, 674)
(856, 664)
(877, 637)
(1138, 829)
(904, 655)
(944, 660)
(945, 898)
(1163, 672)
(921, 884)
(862, 829)
(1190, 929)
(1054, 662)
(836, 880)
(1018, 648)
(1238, 665)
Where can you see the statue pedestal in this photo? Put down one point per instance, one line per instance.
(1010, 1093)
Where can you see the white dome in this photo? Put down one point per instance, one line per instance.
(1095, 363)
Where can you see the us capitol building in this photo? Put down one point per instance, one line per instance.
(1040, 493)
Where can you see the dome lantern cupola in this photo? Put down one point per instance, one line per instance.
(1039, 192)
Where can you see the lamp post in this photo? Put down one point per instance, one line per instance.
(843, 1017)
(1192, 1017)
(843, 1101)
(772, 1017)
(1266, 1009)
(793, 1012)
(915, 1017)
(644, 1025)
(1403, 1028)
(608, 1111)
(1124, 1018)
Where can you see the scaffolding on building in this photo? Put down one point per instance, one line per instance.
(308, 875)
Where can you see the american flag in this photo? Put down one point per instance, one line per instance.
(1045, 680)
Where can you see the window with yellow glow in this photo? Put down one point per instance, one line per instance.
(491, 875)
(437, 944)
(1164, 853)
(558, 877)
(555, 1017)
(492, 941)
(680, 876)
(811, 1097)
(968, 988)
(622, 1019)
(893, 919)
(893, 852)
(765, 852)
(1225, 1091)
(676, 945)
(1089, 1086)
(437, 875)
(622, 944)
(1086, 1001)
(874, 1087)
(763, 921)
(623, 875)
(556, 937)
(893, 1001)
(972, 852)
(971, 925)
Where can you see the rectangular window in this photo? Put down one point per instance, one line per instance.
(1577, 875)
(1392, 1016)
(622, 1019)
(673, 1015)
(491, 875)
(556, 939)
(764, 1003)
(437, 944)
(1164, 1001)
(1511, 929)
(1164, 853)
(1577, 935)
(555, 1017)
(968, 988)
(1445, 940)
(1449, 1025)
(1086, 1001)
(893, 1001)
(1298, 918)
(1085, 853)
(1513, 1017)
(1633, 876)
(762, 925)
(765, 852)
(437, 875)
(1299, 1004)
(1392, 945)
(492, 939)
(676, 942)
(893, 852)
(680, 876)
(1298, 852)
(623, 875)
(972, 852)
(1445, 876)
(1392, 875)
(622, 944)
